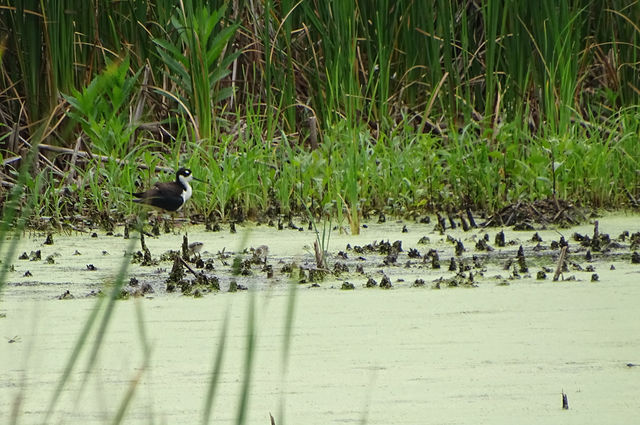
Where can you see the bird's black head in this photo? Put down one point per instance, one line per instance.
(184, 174)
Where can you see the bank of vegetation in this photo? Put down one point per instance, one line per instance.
(340, 108)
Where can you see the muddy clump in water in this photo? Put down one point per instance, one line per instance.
(422, 260)
(526, 215)
(347, 286)
(66, 295)
(197, 287)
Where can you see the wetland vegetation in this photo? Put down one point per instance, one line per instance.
(470, 144)
(339, 109)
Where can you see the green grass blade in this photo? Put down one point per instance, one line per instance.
(84, 334)
(216, 372)
(127, 398)
(245, 392)
(286, 344)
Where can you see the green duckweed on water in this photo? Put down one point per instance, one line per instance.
(488, 347)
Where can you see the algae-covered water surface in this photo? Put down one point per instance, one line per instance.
(488, 336)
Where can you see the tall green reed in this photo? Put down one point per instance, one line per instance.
(195, 54)
(555, 36)
(462, 50)
(26, 37)
(363, 72)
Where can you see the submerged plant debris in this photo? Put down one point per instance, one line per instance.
(530, 215)
(193, 262)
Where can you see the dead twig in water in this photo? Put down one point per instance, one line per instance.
(560, 266)
(74, 158)
(319, 255)
(184, 263)
(634, 202)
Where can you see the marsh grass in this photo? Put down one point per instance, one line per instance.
(196, 59)
(284, 104)
(216, 370)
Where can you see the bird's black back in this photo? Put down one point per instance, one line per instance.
(167, 196)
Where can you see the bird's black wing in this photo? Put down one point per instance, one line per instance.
(161, 195)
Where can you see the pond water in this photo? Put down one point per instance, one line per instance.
(505, 346)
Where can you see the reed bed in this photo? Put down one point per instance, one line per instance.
(342, 108)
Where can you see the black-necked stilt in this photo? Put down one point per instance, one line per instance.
(169, 196)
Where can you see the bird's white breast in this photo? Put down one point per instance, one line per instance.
(186, 194)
